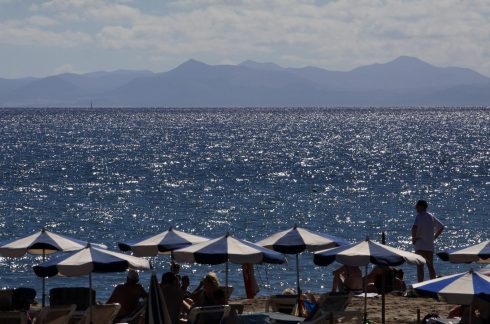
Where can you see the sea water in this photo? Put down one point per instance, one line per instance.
(110, 175)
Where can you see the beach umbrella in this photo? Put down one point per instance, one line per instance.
(164, 242)
(41, 243)
(476, 253)
(226, 249)
(91, 259)
(460, 289)
(363, 253)
(297, 240)
(156, 307)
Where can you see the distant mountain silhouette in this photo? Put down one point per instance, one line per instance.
(405, 81)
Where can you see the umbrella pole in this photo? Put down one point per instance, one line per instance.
(383, 298)
(90, 297)
(226, 281)
(365, 294)
(44, 282)
(297, 282)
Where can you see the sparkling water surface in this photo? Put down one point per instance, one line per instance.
(108, 175)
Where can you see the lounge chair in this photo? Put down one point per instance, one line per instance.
(331, 307)
(281, 303)
(22, 298)
(56, 314)
(13, 317)
(78, 296)
(135, 316)
(209, 315)
(101, 314)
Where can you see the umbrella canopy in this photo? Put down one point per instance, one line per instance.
(42, 242)
(476, 253)
(164, 242)
(156, 307)
(461, 289)
(227, 249)
(296, 240)
(363, 253)
(88, 260)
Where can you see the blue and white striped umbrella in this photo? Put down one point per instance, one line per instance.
(476, 253)
(164, 242)
(461, 289)
(87, 261)
(227, 249)
(296, 240)
(42, 243)
(365, 252)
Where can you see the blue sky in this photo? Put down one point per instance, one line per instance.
(40, 38)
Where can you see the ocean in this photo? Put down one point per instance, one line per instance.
(109, 175)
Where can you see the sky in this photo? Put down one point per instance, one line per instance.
(39, 38)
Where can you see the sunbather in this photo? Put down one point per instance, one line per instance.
(347, 279)
(128, 294)
(204, 294)
(393, 280)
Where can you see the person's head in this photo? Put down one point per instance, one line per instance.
(168, 278)
(219, 296)
(211, 283)
(133, 276)
(185, 282)
(175, 268)
(421, 206)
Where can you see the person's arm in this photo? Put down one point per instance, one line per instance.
(439, 227)
(414, 234)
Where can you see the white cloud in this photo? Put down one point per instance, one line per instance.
(335, 34)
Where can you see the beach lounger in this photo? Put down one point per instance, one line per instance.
(135, 316)
(78, 296)
(13, 317)
(281, 303)
(331, 305)
(55, 314)
(209, 315)
(101, 314)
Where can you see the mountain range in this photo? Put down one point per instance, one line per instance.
(405, 81)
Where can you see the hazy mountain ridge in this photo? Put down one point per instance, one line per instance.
(402, 82)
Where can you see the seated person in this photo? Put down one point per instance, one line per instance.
(204, 294)
(128, 294)
(393, 280)
(347, 279)
(173, 294)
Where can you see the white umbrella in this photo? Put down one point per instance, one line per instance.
(42, 243)
(297, 240)
(89, 260)
(476, 253)
(363, 253)
(164, 242)
(460, 289)
(227, 249)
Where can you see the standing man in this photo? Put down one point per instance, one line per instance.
(426, 229)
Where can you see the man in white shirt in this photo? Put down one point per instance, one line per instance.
(426, 229)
